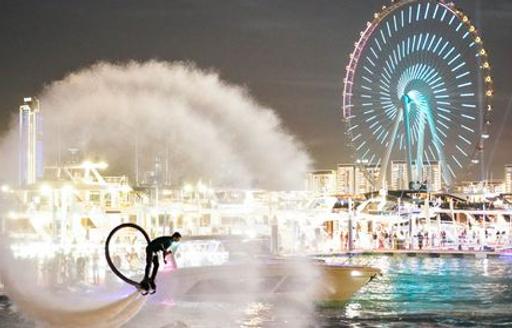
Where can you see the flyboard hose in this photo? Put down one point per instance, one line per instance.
(107, 251)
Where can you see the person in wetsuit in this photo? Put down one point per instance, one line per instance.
(162, 244)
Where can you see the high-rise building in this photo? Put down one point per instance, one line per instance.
(30, 147)
(345, 179)
(322, 181)
(366, 178)
(431, 172)
(357, 178)
(398, 176)
(508, 178)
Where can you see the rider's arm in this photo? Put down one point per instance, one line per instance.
(164, 254)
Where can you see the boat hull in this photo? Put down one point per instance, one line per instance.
(300, 281)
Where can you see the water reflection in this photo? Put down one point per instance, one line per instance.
(438, 291)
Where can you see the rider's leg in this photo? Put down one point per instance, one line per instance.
(149, 257)
(155, 271)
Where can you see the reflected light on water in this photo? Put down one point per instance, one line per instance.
(445, 291)
(353, 310)
(485, 266)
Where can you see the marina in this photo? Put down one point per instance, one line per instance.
(219, 164)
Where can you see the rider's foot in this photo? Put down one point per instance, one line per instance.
(145, 285)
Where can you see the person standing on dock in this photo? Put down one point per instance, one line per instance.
(420, 240)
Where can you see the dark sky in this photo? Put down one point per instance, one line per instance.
(290, 54)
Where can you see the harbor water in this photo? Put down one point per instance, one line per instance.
(444, 291)
(412, 292)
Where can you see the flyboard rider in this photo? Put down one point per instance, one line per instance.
(161, 244)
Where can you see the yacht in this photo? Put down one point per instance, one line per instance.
(257, 276)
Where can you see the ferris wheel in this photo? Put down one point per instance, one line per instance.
(418, 87)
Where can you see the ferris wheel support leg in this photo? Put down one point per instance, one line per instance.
(439, 149)
(389, 150)
(420, 144)
(406, 108)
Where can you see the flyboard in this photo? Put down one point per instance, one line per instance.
(111, 263)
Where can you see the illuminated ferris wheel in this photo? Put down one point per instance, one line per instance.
(418, 87)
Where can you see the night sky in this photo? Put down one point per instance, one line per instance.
(291, 55)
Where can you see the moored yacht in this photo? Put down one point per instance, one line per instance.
(259, 277)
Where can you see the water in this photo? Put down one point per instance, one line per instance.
(412, 292)
(416, 291)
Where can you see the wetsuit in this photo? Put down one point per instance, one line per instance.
(162, 244)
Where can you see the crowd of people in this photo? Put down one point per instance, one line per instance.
(422, 239)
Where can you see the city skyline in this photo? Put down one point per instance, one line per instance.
(288, 59)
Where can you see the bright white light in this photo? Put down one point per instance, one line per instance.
(67, 189)
(102, 165)
(355, 273)
(126, 188)
(6, 188)
(91, 165)
(251, 234)
(45, 189)
(87, 165)
(201, 188)
(188, 188)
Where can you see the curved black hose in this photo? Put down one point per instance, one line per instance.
(107, 251)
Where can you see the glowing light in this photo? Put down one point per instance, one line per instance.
(451, 20)
(87, 165)
(444, 14)
(355, 273)
(464, 85)
(202, 188)
(45, 190)
(68, 189)
(462, 75)
(6, 188)
(102, 165)
(188, 188)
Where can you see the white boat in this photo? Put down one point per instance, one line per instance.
(300, 279)
(270, 280)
